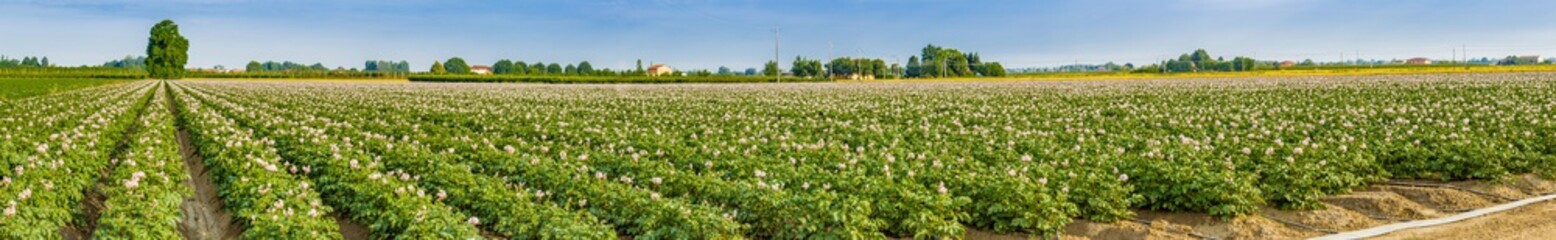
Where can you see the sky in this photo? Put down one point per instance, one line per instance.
(706, 34)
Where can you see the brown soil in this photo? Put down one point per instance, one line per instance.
(1442, 199)
(1205, 226)
(1497, 192)
(1533, 185)
(204, 215)
(1528, 222)
(91, 208)
(1083, 229)
(1330, 219)
(350, 229)
(1380, 204)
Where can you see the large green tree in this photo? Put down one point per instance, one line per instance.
(166, 52)
(254, 66)
(519, 67)
(554, 68)
(770, 69)
(504, 66)
(437, 68)
(456, 65)
(584, 68)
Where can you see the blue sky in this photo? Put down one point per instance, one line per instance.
(695, 34)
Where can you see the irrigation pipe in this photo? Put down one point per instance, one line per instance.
(1385, 229)
(1448, 187)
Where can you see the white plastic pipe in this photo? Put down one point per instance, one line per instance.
(1385, 229)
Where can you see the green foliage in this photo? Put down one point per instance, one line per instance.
(146, 187)
(770, 69)
(254, 66)
(1201, 61)
(331, 74)
(129, 62)
(554, 69)
(863, 67)
(72, 72)
(521, 68)
(42, 197)
(387, 66)
(806, 68)
(251, 191)
(456, 65)
(593, 79)
(584, 68)
(825, 161)
(14, 88)
(502, 67)
(166, 52)
(286, 66)
(378, 201)
(438, 68)
(936, 62)
(993, 69)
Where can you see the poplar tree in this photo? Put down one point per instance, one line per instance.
(166, 52)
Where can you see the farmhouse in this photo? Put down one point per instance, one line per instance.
(856, 76)
(1418, 61)
(659, 69)
(481, 69)
(1533, 59)
(1287, 64)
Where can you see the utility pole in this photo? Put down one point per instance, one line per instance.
(777, 76)
(827, 62)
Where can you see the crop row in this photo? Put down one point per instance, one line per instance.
(997, 208)
(263, 191)
(352, 180)
(928, 159)
(145, 188)
(54, 156)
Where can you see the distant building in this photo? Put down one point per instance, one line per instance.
(659, 69)
(481, 70)
(856, 76)
(1418, 61)
(1532, 59)
(1287, 64)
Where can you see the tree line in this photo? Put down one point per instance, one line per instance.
(387, 66)
(284, 66)
(8, 62)
(458, 65)
(937, 62)
(129, 62)
(934, 62)
(1201, 61)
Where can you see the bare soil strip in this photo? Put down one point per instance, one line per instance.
(91, 208)
(1529, 222)
(1383, 204)
(350, 229)
(1500, 219)
(204, 215)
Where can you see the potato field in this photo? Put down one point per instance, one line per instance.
(291, 160)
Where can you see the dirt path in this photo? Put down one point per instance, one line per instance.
(1534, 221)
(204, 215)
(350, 230)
